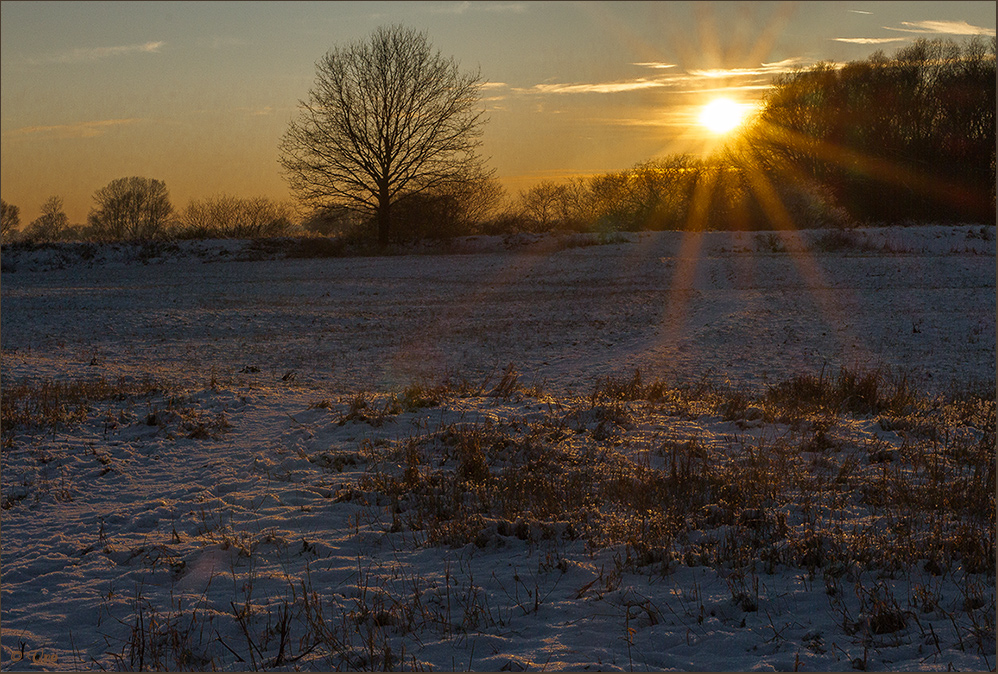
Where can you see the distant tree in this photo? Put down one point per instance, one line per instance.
(10, 219)
(480, 198)
(387, 118)
(678, 192)
(226, 216)
(260, 216)
(542, 204)
(52, 225)
(131, 208)
(568, 206)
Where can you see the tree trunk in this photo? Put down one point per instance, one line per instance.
(384, 216)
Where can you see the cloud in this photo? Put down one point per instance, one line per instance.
(786, 64)
(859, 11)
(869, 40)
(725, 89)
(495, 92)
(78, 130)
(655, 64)
(692, 80)
(942, 27)
(98, 53)
(594, 88)
(774, 68)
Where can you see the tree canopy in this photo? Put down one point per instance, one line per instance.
(52, 224)
(906, 137)
(10, 219)
(387, 118)
(131, 208)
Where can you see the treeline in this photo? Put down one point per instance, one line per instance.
(911, 137)
(139, 209)
(677, 193)
(907, 138)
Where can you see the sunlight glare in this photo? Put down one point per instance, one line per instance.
(722, 115)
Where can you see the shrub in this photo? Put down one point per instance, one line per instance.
(226, 216)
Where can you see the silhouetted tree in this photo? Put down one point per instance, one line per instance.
(131, 208)
(455, 209)
(51, 225)
(549, 206)
(226, 216)
(386, 118)
(10, 219)
(680, 192)
(906, 137)
(334, 221)
(542, 204)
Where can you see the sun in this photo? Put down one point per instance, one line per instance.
(722, 115)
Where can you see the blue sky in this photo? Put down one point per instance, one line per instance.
(198, 94)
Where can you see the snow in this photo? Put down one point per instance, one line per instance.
(239, 486)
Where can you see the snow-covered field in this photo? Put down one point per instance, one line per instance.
(242, 503)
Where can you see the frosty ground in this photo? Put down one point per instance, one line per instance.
(327, 463)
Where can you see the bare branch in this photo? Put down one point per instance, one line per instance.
(386, 118)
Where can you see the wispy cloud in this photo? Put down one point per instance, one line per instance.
(678, 82)
(83, 55)
(787, 64)
(774, 68)
(869, 40)
(78, 130)
(859, 11)
(727, 89)
(655, 64)
(496, 92)
(942, 28)
(594, 88)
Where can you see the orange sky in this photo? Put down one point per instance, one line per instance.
(199, 94)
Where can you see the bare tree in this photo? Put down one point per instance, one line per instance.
(906, 137)
(386, 118)
(542, 204)
(131, 208)
(10, 219)
(550, 205)
(225, 216)
(53, 223)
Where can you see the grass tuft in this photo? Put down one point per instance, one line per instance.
(51, 405)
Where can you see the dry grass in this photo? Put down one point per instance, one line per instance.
(54, 406)
(874, 392)
(662, 476)
(51, 405)
(588, 471)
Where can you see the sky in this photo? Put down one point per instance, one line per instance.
(198, 94)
